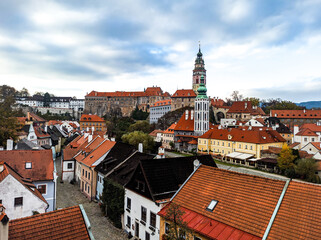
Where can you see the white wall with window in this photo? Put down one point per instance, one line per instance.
(68, 170)
(140, 216)
(100, 185)
(19, 201)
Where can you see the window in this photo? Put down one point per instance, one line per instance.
(143, 214)
(128, 221)
(69, 165)
(212, 205)
(251, 147)
(153, 219)
(42, 188)
(83, 172)
(18, 201)
(147, 236)
(305, 139)
(86, 174)
(0, 201)
(140, 185)
(167, 228)
(312, 140)
(129, 203)
(89, 175)
(28, 165)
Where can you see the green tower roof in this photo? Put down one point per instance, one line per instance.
(202, 89)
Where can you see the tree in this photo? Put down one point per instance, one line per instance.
(286, 160)
(170, 117)
(236, 96)
(178, 229)
(306, 168)
(23, 93)
(136, 137)
(143, 126)
(255, 101)
(279, 104)
(139, 114)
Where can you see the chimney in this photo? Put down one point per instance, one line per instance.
(192, 115)
(4, 224)
(112, 139)
(1, 166)
(245, 105)
(196, 163)
(186, 114)
(140, 147)
(9, 144)
(295, 129)
(46, 128)
(90, 137)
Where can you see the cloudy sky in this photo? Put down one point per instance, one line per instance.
(266, 49)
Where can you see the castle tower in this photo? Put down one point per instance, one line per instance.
(199, 70)
(201, 122)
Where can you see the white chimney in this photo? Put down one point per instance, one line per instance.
(295, 129)
(192, 115)
(46, 128)
(196, 163)
(1, 148)
(245, 105)
(186, 114)
(90, 137)
(1, 166)
(4, 224)
(9, 144)
(112, 139)
(140, 147)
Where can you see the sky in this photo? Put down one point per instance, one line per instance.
(261, 48)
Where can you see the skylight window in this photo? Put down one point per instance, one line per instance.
(211, 206)
(28, 165)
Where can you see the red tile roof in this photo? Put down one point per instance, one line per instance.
(86, 148)
(67, 223)
(245, 202)
(162, 103)
(294, 145)
(245, 107)
(40, 133)
(184, 93)
(35, 118)
(299, 216)
(7, 170)
(219, 103)
(249, 136)
(154, 133)
(312, 126)
(317, 145)
(54, 122)
(185, 124)
(306, 132)
(91, 118)
(98, 152)
(41, 160)
(150, 91)
(170, 129)
(296, 114)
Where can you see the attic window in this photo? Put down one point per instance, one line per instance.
(28, 165)
(211, 206)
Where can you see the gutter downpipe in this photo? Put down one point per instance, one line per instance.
(267, 231)
(88, 225)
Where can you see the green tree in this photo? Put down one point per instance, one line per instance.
(113, 201)
(255, 101)
(286, 160)
(136, 137)
(142, 125)
(139, 114)
(278, 104)
(306, 168)
(178, 229)
(23, 93)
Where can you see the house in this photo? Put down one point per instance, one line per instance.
(159, 109)
(183, 98)
(38, 166)
(19, 195)
(39, 136)
(261, 209)
(168, 136)
(304, 136)
(239, 145)
(297, 117)
(115, 159)
(88, 177)
(35, 120)
(92, 122)
(66, 223)
(312, 147)
(244, 111)
(151, 186)
(157, 135)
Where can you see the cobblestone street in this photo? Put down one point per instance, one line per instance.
(69, 195)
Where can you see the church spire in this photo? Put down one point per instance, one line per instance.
(199, 70)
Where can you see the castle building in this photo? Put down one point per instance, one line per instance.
(201, 123)
(199, 70)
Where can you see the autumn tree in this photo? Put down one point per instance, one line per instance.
(143, 126)
(286, 160)
(136, 137)
(306, 168)
(178, 229)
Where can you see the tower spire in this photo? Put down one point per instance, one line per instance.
(199, 69)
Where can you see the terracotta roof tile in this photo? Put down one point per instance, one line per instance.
(312, 126)
(91, 118)
(306, 132)
(185, 124)
(249, 136)
(170, 129)
(150, 91)
(184, 93)
(41, 160)
(67, 223)
(296, 113)
(162, 103)
(245, 107)
(154, 132)
(299, 214)
(245, 202)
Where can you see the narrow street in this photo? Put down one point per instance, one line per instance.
(69, 195)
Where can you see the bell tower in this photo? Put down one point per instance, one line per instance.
(201, 122)
(199, 70)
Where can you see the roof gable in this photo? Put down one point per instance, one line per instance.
(184, 93)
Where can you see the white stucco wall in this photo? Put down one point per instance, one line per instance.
(137, 201)
(11, 188)
(68, 173)
(100, 185)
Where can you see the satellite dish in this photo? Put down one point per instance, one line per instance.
(196, 163)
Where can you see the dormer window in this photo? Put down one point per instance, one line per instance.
(28, 165)
(211, 206)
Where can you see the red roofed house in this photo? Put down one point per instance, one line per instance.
(157, 135)
(19, 195)
(88, 177)
(261, 208)
(244, 111)
(159, 109)
(102, 102)
(89, 122)
(307, 133)
(183, 98)
(240, 146)
(38, 167)
(67, 223)
(168, 136)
